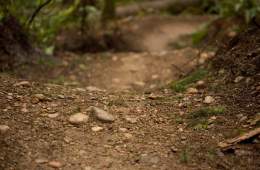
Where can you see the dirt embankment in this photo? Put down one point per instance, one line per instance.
(239, 62)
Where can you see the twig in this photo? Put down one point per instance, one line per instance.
(37, 11)
(230, 142)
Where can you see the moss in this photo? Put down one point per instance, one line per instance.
(199, 36)
(184, 156)
(183, 84)
(208, 111)
(199, 118)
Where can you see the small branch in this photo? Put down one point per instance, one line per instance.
(37, 11)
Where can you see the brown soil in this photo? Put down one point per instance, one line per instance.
(155, 34)
(240, 57)
(160, 135)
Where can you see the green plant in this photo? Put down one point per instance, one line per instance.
(208, 111)
(199, 118)
(243, 8)
(183, 84)
(184, 157)
(200, 35)
(59, 80)
(201, 126)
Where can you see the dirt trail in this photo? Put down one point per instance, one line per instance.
(155, 67)
(149, 131)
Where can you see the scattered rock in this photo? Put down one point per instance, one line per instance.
(139, 83)
(10, 97)
(40, 96)
(93, 89)
(22, 83)
(180, 130)
(24, 110)
(232, 34)
(183, 137)
(97, 128)
(122, 129)
(154, 97)
(155, 76)
(238, 79)
(203, 58)
(114, 58)
(212, 119)
(174, 149)
(61, 96)
(4, 129)
(102, 115)
(221, 71)
(128, 135)
(78, 118)
(256, 120)
(35, 100)
(80, 89)
(192, 90)
(55, 164)
(54, 115)
(239, 115)
(131, 120)
(200, 84)
(208, 100)
(242, 119)
(41, 160)
(116, 80)
(87, 168)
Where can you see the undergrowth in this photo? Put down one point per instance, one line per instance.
(183, 84)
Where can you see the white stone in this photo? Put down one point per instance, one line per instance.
(97, 128)
(208, 100)
(55, 164)
(4, 129)
(54, 115)
(192, 90)
(78, 118)
(93, 89)
(102, 115)
(22, 83)
(238, 79)
(131, 120)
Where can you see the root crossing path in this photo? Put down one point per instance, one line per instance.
(144, 134)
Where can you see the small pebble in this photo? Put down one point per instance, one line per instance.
(78, 118)
(192, 90)
(122, 129)
(238, 79)
(41, 97)
(131, 120)
(208, 100)
(55, 164)
(4, 129)
(22, 83)
(102, 115)
(128, 135)
(41, 161)
(54, 115)
(97, 128)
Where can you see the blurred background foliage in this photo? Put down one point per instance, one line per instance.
(88, 15)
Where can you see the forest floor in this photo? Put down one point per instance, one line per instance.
(144, 123)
